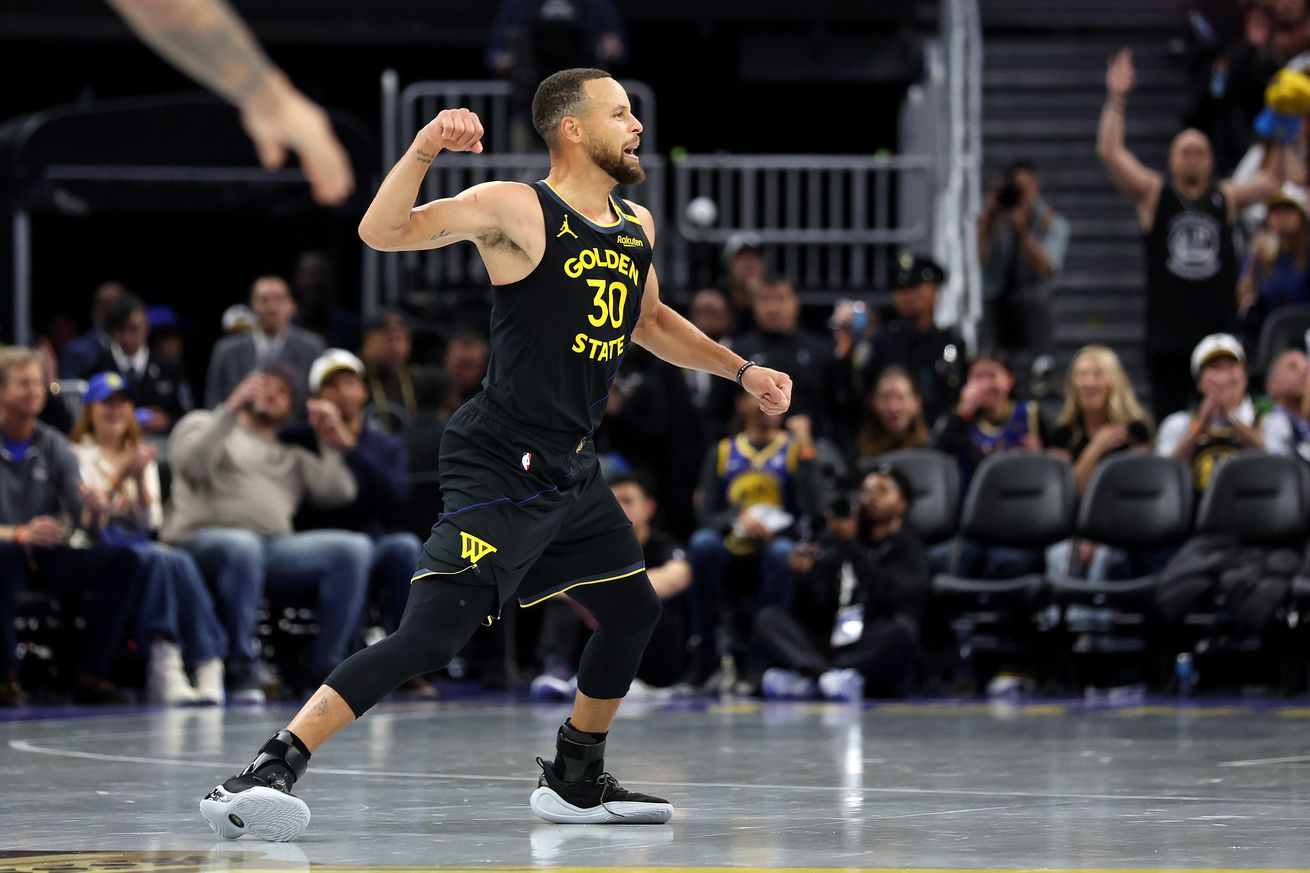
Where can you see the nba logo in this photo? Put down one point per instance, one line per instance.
(526, 460)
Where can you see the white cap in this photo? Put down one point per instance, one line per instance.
(1292, 194)
(1214, 346)
(238, 317)
(332, 361)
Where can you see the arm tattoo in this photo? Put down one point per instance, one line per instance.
(424, 157)
(203, 38)
(442, 235)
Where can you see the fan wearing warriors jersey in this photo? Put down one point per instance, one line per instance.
(527, 513)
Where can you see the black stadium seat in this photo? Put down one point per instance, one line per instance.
(1257, 497)
(1283, 329)
(1134, 503)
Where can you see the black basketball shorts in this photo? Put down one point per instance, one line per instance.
(526, 512)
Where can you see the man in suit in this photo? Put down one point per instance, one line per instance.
(158, 384)
(274, 340)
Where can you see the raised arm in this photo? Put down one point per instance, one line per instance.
(394, 224)
(208, 41)
(1139, 183)
(663, 332)
(1259, 186)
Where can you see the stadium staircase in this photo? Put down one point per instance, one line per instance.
(1043, 87)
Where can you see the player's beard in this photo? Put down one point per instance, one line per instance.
(614, 164)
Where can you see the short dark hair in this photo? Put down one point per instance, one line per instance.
(633, 477)
(122, 310)
(1018, 165)
(897, 475)
(384, 319)
(558, 95)
(993, 354)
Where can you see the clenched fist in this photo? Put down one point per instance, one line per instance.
(456, 130)
(771, 387)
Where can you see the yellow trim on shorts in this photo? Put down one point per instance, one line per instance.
(413, 579)
(580, 584)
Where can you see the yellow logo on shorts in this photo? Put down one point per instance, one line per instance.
(473, 548)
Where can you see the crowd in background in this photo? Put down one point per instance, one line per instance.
(168, 511)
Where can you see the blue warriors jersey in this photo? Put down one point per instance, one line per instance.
(986, 439)
(559, 334)
(757, 476)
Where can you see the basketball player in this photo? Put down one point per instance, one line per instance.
(527, 512)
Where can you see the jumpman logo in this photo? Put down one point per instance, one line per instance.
(473, 548)
(564, 228)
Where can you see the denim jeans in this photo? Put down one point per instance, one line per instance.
(331, 565)
(709, 559)
(174, 603)
(395, 555)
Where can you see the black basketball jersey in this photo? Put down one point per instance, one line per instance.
(559, 335)
(1191, 271)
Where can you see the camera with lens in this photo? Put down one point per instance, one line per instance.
(1008, 196)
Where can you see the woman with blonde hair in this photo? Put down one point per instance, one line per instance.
(176, 616)
(1101, 414)
(893, 416)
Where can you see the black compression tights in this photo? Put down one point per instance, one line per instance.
(441, 616)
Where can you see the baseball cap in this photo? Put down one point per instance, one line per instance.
(102, 386)
(914, 270)
(1216, 345)
(238, 317)
(741, 242)
(1290, 194)
(330, 362)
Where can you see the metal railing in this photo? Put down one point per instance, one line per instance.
(827, 220)
(832, 223)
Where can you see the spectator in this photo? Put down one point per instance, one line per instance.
(388, 345)
(1277, 271)
(893, 417)
(274, 339)
(1284, 428)
(79, 353)
(380, 464)
(465, 362)
(987, 419)
(564, 621)
(1191, 267)
(933, 356)
(157, 383)
(530, 39)
(1101, 415)
(41, 499)
(57, 412)
(175, 613)
(743, 259)
(711, 312)
(235, 490)
(1021, 245)
(758, 489)
(860, 595)
(779, 341)
(1226, 420)
(322, 311)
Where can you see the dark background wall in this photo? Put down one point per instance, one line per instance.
(823, 76)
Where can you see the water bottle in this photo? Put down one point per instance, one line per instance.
(1185, 673)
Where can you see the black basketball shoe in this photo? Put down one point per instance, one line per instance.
(259, 801)
(595, 797)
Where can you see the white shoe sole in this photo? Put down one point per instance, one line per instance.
(261, 812)
(553, 808)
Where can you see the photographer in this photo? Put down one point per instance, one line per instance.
(860, 593)
(1021, 246)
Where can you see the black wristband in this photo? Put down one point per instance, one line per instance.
(744, 367)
